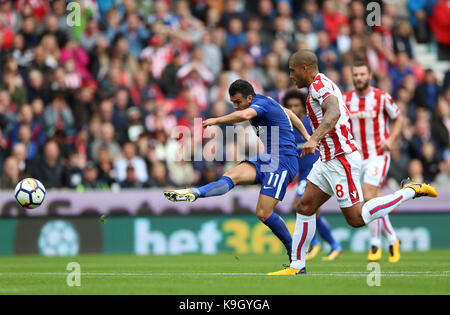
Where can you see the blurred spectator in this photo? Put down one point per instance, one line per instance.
(158, 176)
(130, 158)
(443, 178)
(73, 51)
(106, 141)
(430, 161)
(91, 180)
(398, 169)
(441, 125)
(214, 53)
(73, 173)
(158, 54)
(9, 17)
(131, 180)
(235, 35)
(52, 28)
(36, 88)
(135, 33)
(400, 70)
(415, 171)
(90, 35)
(428, 91)
(332, 19)
(14, 85)
(168, 82)
(58, 116)
(144, 89)
(440, 25)
(418, 19)
(105, 167)
(266, 14)
(379, 56)
(402, 38)
(29, 32)
(326, 53)
(11, 174)
(135, 126)
(421, 135)
(197, 77)
(19, 151)
(305, 33)
(312, 13)
(48, 168)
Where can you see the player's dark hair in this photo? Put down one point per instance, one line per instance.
(362, 63)
(243, 87)
(294, 93)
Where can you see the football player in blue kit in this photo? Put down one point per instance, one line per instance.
(295, 101)
(273, 170)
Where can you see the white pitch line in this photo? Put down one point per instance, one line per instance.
(445, 274)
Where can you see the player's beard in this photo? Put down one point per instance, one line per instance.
(361, 88)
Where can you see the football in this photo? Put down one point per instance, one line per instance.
(30, 193)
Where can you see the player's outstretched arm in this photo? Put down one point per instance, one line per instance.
(298, 124)
(396, 129)
(235, 117)
(329, 121)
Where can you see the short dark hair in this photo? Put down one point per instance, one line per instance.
(243, 87)
(294, 93)
(361, 63)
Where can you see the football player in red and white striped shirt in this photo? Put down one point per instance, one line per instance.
(338, 170)
(370, 111)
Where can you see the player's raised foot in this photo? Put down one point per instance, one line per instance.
(420, 189)
(313, 252)
(181, 195)
(333, 255)
(394, 252)
(374, 253)
(288, 271)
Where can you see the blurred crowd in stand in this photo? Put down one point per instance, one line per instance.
(93, 105)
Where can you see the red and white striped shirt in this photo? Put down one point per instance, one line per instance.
(369, 119)
(339, 140)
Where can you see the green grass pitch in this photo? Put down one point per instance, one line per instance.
(223, 274)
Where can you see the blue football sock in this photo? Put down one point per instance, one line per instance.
(280, 229)
(314, 241)
(217, 188)
(324, 230)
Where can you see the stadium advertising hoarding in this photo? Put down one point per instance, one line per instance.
(205, 234)
(151, 202)
(143, 223)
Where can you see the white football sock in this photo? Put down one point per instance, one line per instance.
(379, 207)
(375, 233)
(388, 230)
(305, 228)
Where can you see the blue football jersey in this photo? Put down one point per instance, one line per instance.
(272, 119)
(306, 162)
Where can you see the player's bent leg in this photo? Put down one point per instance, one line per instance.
(311, 200)
(305, 228)
(361, 214)
(375, 251)
(324, 230)
(244, 173)
(264, 211)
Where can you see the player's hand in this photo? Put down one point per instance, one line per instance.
(386, 145)
(310, 147)
(209, 122)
